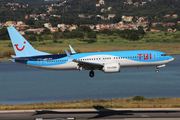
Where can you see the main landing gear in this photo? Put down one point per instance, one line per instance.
(91, 73)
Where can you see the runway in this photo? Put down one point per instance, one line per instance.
(82, 114)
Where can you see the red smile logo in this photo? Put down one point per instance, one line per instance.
(21, 48)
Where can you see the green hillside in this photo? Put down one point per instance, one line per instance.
(153, 10)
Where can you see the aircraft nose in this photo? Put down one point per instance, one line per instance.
(171, 58)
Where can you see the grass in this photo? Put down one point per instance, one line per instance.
(165, 42)
(98, 103)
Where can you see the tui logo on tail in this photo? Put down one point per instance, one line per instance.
(16, 45)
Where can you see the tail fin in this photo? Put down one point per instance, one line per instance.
(21, 46)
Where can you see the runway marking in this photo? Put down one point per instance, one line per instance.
(38, 119)
(55, 119)
(144, 116)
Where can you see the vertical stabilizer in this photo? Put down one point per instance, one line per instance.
(21, 46)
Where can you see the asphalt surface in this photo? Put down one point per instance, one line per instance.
(81, 114)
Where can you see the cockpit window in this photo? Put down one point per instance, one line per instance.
(163, 54)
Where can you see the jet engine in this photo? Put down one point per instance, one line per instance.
(111, 68)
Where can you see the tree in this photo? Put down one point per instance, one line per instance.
(31, 38)
(159, 27)
(66, 31)
(106, 31)
(29, 11)
(85, 28)
(46, 31)
(29, 22)
(4, 34)
(178, 26)
(116, 19)
(76, 34)
(56, 35)
(40, 38)
(138, 98)
(134, 37)
(92, 35)
(65, 34)
(140, 30)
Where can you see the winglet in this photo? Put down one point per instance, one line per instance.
(72, 50)
(70, 58)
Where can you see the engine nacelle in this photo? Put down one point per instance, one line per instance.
(111, 68)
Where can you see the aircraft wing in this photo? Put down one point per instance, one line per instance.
(89, 65)
(84, 65)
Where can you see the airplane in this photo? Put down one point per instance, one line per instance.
(108, 62)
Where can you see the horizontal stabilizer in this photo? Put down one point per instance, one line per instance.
(20, 59)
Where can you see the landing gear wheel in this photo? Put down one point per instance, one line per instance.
(91, 73)
(157, 71)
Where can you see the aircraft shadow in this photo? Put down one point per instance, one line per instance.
(102, 112)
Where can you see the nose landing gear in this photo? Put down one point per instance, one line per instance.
(91, 73)
(157, 71)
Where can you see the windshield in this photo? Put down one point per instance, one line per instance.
(163, 54)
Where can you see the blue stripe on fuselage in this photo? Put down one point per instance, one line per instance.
(51, 60)
(152, 55)
(36, 58)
